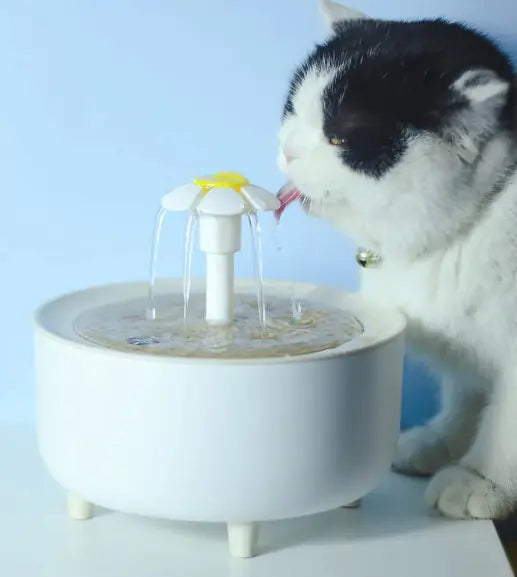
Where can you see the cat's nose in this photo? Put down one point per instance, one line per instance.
(289, 155)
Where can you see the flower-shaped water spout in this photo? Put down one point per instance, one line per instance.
(223, 194)
(220, 201)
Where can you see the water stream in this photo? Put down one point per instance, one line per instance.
(256, 251)
(158, 226)
(280, 245)
(158, 324)
(190, 238)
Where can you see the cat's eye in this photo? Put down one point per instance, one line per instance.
(336, 141)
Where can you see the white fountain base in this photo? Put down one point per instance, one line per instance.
(218, 440)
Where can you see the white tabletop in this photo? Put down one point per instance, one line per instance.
(391, 534)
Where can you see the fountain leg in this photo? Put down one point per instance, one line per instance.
(242, 539)
(78, 508)
(353, 504)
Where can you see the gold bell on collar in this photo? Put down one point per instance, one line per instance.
(367, 258)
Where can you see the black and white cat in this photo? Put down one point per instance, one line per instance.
(404, 136)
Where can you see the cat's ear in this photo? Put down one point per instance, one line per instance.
(336, 13)
(482, 86)
(486, 94)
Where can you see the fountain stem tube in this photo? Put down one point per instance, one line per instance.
(220, 239)
(219, 288)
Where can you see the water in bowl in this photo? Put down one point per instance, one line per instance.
(126, 326)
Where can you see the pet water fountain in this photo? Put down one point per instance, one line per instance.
(217, 401)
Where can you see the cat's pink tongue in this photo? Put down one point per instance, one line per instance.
(287, 194)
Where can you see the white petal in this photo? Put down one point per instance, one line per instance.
(222, 202)
(260, 198)
(181, 198)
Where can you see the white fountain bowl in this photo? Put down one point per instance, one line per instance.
(217, 439)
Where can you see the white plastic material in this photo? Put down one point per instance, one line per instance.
(78, 508)
(217, 440)
(220, 234)
(222, 202)
(219, 238)
(242, 538)
(219, 288)
(260, 198)
(182, 198)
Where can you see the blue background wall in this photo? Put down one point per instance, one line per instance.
(106, 105)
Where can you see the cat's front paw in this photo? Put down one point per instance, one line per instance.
(421, 451)
(461, 493)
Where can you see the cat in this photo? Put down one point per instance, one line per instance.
(404, 136)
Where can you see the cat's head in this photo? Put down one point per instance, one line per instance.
(390, 121)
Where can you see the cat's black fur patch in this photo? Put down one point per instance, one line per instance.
(394, 84)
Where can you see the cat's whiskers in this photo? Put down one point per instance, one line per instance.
(291, 196)
(306, 203)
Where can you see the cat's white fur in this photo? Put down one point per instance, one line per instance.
(450, 266)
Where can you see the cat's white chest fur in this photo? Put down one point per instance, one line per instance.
(450, 312)
(426, 293)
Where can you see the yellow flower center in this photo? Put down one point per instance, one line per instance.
(233, 180)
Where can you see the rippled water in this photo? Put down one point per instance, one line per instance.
(125, 326)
